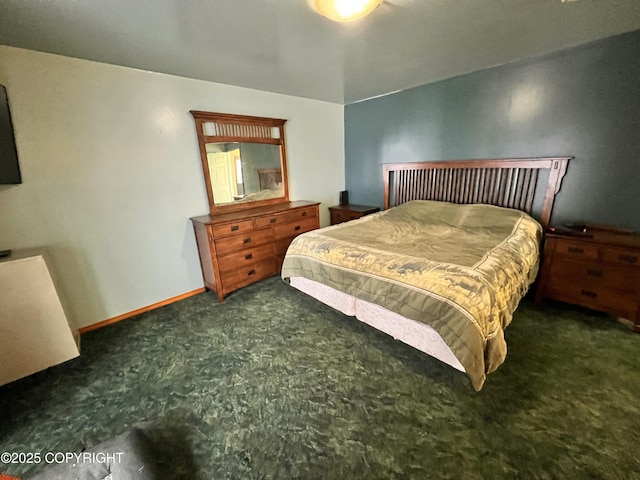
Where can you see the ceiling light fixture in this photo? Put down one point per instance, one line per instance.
(345, 10)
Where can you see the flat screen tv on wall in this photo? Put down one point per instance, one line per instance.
(9, 167)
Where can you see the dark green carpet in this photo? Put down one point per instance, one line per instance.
(274, 385)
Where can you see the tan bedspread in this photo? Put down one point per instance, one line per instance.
(462, 269)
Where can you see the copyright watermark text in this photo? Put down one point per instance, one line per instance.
(60, 457)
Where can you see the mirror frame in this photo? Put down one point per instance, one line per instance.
(231, 128)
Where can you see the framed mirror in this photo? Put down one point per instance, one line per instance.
(243, 159)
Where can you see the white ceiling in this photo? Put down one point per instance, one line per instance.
(283, 46)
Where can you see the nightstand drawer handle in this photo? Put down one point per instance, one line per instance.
(628, 259)
(248, 256)
(247, 240)
(297, 228)
(589, 293)
(304, 214)
(594, 273)
(235, 228)
(251, 272)
(273, 220)
(575, 250)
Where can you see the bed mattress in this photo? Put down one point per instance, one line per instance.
(408, 331)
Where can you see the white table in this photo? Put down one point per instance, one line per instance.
(34, 331)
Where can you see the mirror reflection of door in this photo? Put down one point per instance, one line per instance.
(239, 179)
(224, 176)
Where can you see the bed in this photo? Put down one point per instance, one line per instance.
(444, 266)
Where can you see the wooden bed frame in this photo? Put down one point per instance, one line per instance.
(508, 182)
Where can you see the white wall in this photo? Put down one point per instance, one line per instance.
(111, 173)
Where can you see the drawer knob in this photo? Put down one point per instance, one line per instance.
(304, 214)
(247, 240)
(575, 250)
(297, 228)
(251, 272)
(594, 273)
(589, 293)
(628, 258)
(235, 228)
(273, 220)
(248, 256)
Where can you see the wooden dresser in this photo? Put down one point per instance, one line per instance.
(240, 248)
(344, 213)
(598, 270)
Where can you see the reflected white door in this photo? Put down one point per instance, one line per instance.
(221, 175)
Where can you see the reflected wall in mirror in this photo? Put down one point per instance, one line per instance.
(243, 160)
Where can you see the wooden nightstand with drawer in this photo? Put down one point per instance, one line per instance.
(344, 213)
(599, 270)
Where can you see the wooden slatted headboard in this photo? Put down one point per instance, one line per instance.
(269, 178)
(507, 182)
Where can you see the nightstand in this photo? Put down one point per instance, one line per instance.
(344, 213)
(599, 269)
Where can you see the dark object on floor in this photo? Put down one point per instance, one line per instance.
(125, 457)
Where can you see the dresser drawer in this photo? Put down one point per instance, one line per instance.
(231, 228)
(293, 216)
(621, 256)
(248, 274)
(623, 304)
(577, 249)
(245, 257)
(339, 216)
(282, 245)
(293, 229)
(240, 242)
(301, 214)
(269, 221)
(588, 274)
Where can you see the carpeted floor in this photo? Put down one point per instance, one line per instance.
(271, 384)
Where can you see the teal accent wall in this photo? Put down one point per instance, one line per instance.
(582, 102)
